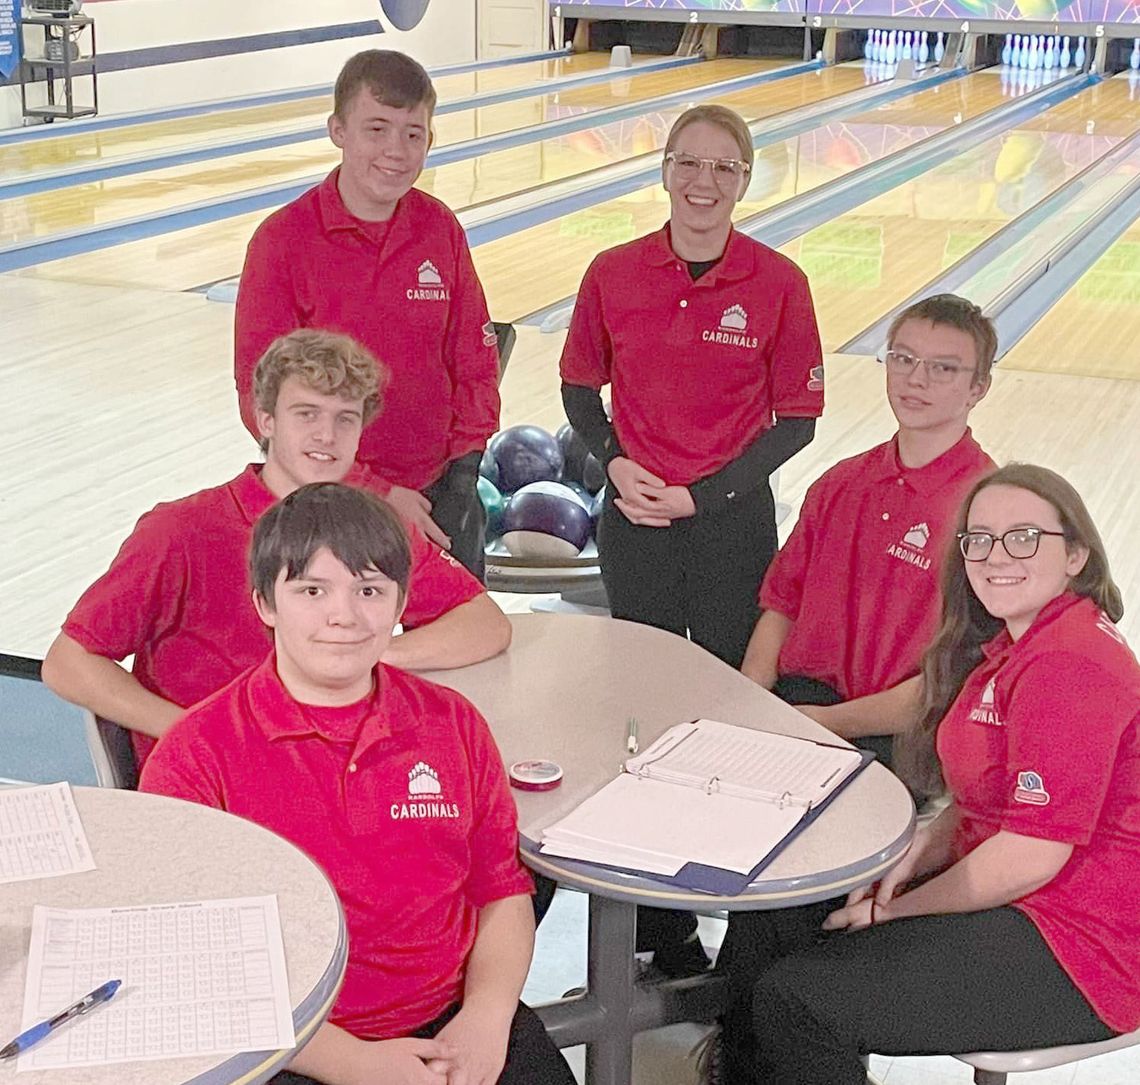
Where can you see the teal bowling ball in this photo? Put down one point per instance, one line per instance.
(493, 505)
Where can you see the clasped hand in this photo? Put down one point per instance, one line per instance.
(644, 498)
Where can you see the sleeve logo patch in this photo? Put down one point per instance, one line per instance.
(489, 336)
(1030, 789)
(815, 379)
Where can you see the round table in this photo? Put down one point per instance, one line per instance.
(149, 849)
(564, 690)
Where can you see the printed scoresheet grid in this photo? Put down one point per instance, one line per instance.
(198, 978)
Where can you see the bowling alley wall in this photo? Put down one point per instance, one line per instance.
(155, 53)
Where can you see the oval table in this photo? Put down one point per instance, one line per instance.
(149, 849)
(564, 690)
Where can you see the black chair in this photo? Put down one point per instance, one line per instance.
(505, 336)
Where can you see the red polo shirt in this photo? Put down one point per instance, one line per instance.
(697, 369)
(859, 575)
(407, 290)
(1044, 741)
(402, 800)
(177, 595)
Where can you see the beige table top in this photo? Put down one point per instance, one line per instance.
(564, 691)
(152, 850)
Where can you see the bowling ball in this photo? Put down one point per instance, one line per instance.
(583, 494)
(546, 520)
(593, 474)
(489, 468)
(596, 507)
(526, 454)
(493, 505)
(574, 452)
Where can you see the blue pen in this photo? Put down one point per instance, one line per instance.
(46, 1028)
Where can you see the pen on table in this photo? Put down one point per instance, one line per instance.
(46, 1028)
(631, 734)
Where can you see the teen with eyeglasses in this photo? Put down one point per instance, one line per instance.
(851, 600)
(709, 344)
(1010, 921)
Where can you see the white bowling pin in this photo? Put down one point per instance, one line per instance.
(1134, 56)
(1034, 55)
(892, 47)
(1079, 55)
(1007, 49)
(939, 49)
(923, 48)
(867, 45)
(1050, 57)
(1065, 54)
(1015, 53)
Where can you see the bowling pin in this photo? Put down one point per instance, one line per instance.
(1050, 57)
(1034, 57)
(1134, 56)
(939, 48)
(923, 49)
(877, 46)
(892, 48)
(1079, 55)
(1065, 54)
(1007, 49)
(867, 45)
(1015, 55)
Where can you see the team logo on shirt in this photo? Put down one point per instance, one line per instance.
(733, 330)
(1030, 789)
(815, 379)
(985, 710)
(912, 545)
(489, 336)
(425, 796)
(429, 284)
(450, 558)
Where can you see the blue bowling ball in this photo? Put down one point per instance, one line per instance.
(526, 454)
(546, 520)
(489, 468)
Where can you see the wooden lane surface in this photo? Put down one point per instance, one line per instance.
(520, 277)
(875, 256)
(127, 398)
(78, 206)
(1094, 331)
(204, 254)
(75, 147)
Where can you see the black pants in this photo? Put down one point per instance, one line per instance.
(456, 508)
(700, 577)
(532, 1058)
(930, 985)
(799, 689)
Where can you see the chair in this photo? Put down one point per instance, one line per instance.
(45, 738)
(993, 1067)
(505, 336)
(119, 752)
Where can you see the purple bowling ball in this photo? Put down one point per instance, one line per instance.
(546, 520)
(526, 454)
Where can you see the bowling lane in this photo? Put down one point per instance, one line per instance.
(79, 206)
(204, 254)
(875, 256)
(78, 147)
(1093, 329)
(520, 277)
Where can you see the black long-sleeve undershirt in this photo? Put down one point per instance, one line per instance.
(715, 492)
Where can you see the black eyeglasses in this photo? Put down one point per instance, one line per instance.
(1019, 542)
(938, 372)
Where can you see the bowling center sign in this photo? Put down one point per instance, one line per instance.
(10, 32)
